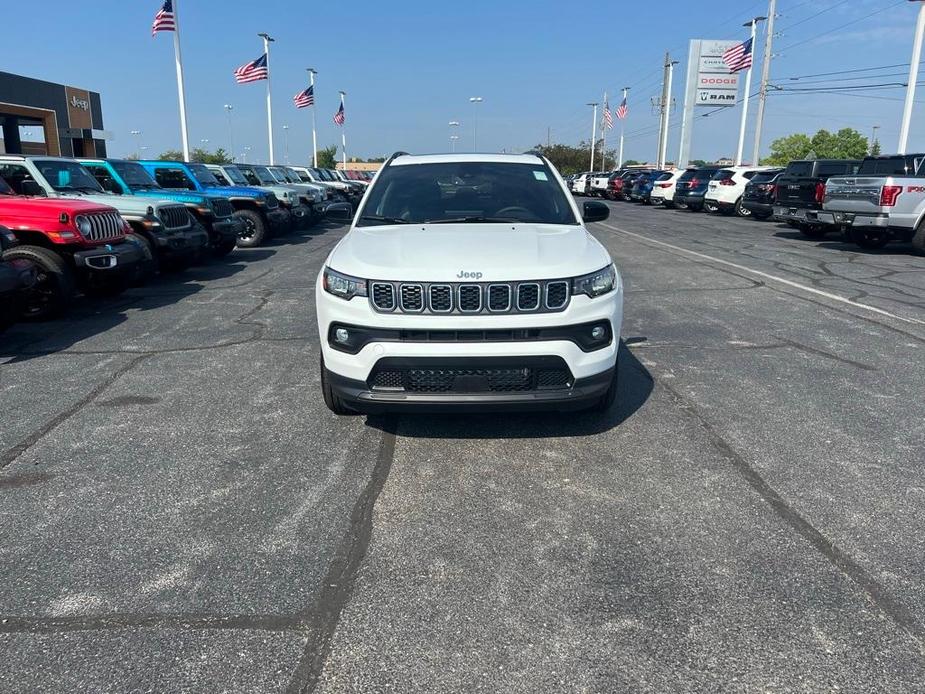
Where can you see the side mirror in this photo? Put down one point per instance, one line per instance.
(594, 211)
(32, 189)
(342, 211)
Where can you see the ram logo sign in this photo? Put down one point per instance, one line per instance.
(716, 97)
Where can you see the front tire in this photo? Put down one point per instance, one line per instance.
(54, 289)
(331, 399)
(255, 229)
(606, 401)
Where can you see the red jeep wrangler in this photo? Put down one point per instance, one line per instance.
(73, 244)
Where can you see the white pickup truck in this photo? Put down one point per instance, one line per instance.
(884, 202)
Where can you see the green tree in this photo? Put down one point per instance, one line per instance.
(697, 162)
(198, 155)
(327, 157)
(632, 162)
(847, 143)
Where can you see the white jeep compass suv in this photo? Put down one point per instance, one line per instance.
(468, 281)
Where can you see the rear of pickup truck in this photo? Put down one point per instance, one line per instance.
(884, 202)
(801, 190)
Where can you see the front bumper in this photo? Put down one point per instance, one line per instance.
(358, 312)
(279, 218)
(226, 228)
(581, 393)
(112, 258)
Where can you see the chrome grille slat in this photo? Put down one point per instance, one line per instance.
(104, 226)
(470, 298)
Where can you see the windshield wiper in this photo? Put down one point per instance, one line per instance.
(473, 219)
(384, 220)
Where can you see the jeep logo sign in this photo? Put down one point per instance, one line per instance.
(463, 275)
(82, 104)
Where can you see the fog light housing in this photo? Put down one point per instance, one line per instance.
(598, 332)
(341, 335)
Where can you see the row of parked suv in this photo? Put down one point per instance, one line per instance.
(870, 201)
(97, 226)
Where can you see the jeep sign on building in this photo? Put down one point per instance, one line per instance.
(70, 119)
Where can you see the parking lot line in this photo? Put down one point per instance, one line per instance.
(765, 275)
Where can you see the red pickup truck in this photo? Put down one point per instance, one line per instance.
(74, 245)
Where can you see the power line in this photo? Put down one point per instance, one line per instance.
(847, 72)
(847, 24)
(813, 16)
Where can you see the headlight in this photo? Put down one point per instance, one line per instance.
(344, 286)
(83, 225)
(597, 283)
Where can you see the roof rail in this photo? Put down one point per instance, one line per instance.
(392, 158)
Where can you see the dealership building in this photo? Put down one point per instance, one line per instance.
(41, 117)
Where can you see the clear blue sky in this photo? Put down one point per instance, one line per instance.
(410, 66)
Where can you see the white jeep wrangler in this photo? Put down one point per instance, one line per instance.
(468, 281)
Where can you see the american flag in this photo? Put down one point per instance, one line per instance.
(607, 120)
(305, 98)
(622, 110)
(164, 20)
(739, 57)
(339, 117)
(253, 71)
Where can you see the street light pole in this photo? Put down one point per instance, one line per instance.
(873, 139)
(913, 78)
(765, 77)
(475, 127)
(244, 155)
(137, 135)
(286, 141)
(593, 131)
(228, 109)
(453, 138)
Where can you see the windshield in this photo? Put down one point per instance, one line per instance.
(263, 175)
(68, 175)
(324, 174)
(291, 176)
(203, 175)
(467, 192)
(278, 174)
(134, 175)
(765, 176)
(235, 175)
(303, 177)
(889, 166)
(722, 175)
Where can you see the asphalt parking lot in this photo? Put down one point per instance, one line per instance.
(180, 512)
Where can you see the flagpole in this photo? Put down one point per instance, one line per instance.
(593, 132)
(604, 136)
(343, 130)
(181, 90)
(267, 39)
(748, 87)
(311, 76)
(622, 129)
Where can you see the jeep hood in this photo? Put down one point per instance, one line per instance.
(15, 206)
(440, 252)
(172, 195)
(235, 191)
(126, 204)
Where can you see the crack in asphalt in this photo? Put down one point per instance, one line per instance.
(11, 454)
(108, 622)
(342, 573)
(839, 558)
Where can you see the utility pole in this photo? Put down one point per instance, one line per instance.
(662, 123)
(753, 23)
(765, 76)
(873, 139)
(913, 78)
(548, 137)
(593, 131)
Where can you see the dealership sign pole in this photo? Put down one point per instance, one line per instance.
(709, 83)
(184, 134)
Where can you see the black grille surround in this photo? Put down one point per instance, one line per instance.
(222, 207)
(468, 298)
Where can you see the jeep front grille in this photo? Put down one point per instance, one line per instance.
(272, 201)
(104, 226)
(222, 208)
(174, 217)
(469, 298)
(383, 297)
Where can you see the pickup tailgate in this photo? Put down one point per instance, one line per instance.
(797, 191)
(855, 194)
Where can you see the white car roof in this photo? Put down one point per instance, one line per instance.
(410, 159)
